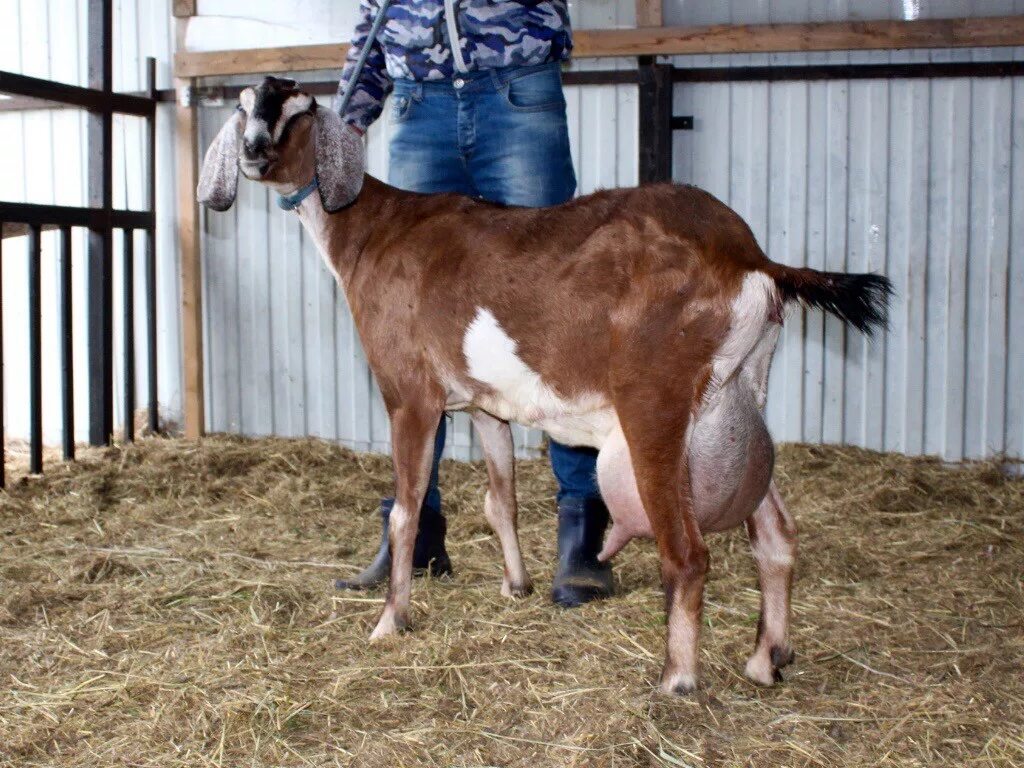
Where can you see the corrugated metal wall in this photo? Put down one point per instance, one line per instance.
(922, 180)
(283, 356)
(44, 162)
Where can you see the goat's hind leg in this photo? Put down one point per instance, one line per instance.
(413, 428)
(772, 535)
(657, 447)
(500, 501)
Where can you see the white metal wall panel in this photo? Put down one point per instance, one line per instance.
(918, 179)
(283, 356)
(46, 163)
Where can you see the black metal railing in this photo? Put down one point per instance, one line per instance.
(101, 219)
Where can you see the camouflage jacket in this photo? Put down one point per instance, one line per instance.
(415, 43)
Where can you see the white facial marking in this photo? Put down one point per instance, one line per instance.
(247, 99)
(521, 395)
(293, 105)
(254, 128)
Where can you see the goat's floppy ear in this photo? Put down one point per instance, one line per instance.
(218, 180)
(340, 160)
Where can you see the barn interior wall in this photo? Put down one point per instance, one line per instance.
(919, 179)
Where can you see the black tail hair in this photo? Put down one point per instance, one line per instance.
(859, 300)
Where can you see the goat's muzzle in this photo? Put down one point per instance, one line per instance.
(256, 157)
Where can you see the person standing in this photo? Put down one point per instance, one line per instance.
(477, 108)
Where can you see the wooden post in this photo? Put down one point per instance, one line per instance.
(99, 275)
(186, 140)
(649, 13)
(656, 90)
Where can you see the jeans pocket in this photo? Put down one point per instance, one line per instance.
(536, 92)
(401, 106)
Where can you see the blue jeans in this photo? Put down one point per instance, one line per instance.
(500, 135)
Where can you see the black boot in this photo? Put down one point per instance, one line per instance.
(428, 552)
(580, 578)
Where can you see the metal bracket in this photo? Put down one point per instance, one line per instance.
(208, 96)
(212, 96)
(682, 123)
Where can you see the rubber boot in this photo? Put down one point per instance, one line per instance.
(580, 578)
(428, 552)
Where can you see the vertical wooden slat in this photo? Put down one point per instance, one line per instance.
(128, 328)
(183, 8)
(656, 98)
(67, 378)
(35, 351)
(100, 292)
(649, 13)
(3, 438)
(151, 351)
(186, 143)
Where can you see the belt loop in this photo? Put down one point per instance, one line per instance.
(417, 91)
(497, 79)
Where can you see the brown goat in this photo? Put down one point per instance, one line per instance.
(641, 322)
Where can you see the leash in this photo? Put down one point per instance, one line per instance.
(294, 200)
(378, 21)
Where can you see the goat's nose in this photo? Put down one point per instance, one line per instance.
(255, 147)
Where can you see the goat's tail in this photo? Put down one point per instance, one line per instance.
(859, 300)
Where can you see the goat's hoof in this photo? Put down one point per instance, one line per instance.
(389, 625)
(679, 684)
(782, 655)
(516, 589)
(766, 668)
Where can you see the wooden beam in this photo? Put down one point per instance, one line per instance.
(666, 41)
(186, 130)
(778, 38)
(649, 13)
(298, 58)
(183, 8)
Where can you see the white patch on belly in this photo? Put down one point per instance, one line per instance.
(519, 393)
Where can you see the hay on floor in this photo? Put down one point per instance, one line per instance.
(169, 604)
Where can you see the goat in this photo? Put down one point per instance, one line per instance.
(641, 322)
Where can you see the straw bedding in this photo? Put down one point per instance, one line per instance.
(169, 604)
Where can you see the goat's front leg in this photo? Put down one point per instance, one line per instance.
(412, 447)
(500, 501)
(772, 535)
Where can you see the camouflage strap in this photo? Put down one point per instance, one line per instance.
(361, 61)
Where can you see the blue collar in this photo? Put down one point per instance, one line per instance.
(294, 200)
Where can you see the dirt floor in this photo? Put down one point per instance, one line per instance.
(170, 605)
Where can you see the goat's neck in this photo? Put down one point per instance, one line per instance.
(343, 236)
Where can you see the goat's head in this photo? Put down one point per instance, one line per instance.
(280, 136)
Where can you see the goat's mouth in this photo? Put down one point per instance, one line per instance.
(255, 169)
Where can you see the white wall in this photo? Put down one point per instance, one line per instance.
(48, 165)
